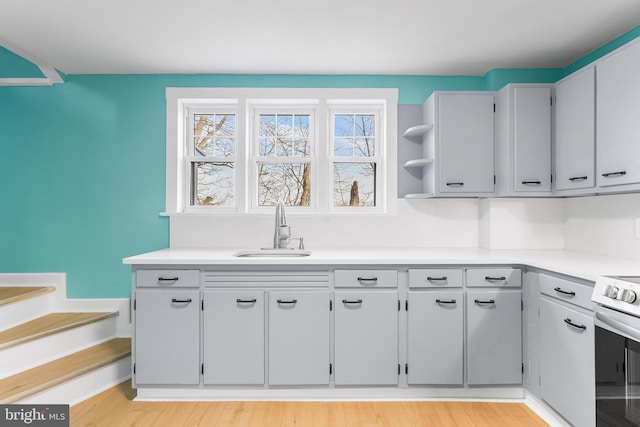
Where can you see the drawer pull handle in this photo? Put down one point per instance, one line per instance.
(439, 301)
(246, 301)
(561, 291)
(437, 279)
(494, 279)
(181, 301)
(570, 323)
(455, 184)
(532, 182)
(168, 279)
(614, 174)
(283, 301)
(490, 301)
(578, 178)
(355, 301)
(367, 279)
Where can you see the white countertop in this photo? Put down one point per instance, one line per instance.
(576, 264)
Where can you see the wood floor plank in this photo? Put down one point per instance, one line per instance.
(11, 294)
(48, 325)
(115, 407)
(40, 378)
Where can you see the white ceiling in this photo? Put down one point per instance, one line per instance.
(420, 37)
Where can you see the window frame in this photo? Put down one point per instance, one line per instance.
(244, 99)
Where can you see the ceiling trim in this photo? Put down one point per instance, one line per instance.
(51, 75)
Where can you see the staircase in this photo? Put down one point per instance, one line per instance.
(54, 352)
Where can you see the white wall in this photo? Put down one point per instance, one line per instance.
(603, 225)
(531, 223)
(417, 223)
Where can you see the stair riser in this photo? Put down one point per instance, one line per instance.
(85, 386)
(28, 355)
(20, 312)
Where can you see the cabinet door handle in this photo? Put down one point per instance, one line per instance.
(437, 279)
(560, 290)
(168, 279)
(291, 301)
(246, 301)
(367, 279)
(614, 174)
(439, 301)
(570, 323)
(578, 178)
(490, 301)
(181, 301)
(531, 182)
(354, 301)
(495, 279)
(455, 184)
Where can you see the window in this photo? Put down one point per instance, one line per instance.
(318, 150)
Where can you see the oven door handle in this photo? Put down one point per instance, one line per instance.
(609, 321)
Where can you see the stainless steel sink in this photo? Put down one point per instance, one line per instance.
(277, 253)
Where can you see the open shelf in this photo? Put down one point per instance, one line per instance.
(418, 196)
(416, 132)
(417, 163)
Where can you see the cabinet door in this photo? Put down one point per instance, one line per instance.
(167, 336)
(435, 338)
(494, 337)
(618, 109)
(465, 143)
(233, 337)
(567, 379)
(299, 338)
(366, 338)
(575, 131)
(532, 138)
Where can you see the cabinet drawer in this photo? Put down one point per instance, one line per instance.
(494, 277)
(366, 278)
(566, 290)
(168, 278)
(435, 278)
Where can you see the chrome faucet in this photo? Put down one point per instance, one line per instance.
(283, 231)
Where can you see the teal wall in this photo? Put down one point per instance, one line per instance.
(82, 164)
(14, 66)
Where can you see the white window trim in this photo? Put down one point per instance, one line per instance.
(179, 98)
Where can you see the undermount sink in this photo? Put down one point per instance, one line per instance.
(268, 252)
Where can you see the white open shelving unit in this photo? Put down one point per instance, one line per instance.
(417, 133)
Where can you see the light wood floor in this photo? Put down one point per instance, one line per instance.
(115, 408)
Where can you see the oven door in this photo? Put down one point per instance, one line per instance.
(617, 354)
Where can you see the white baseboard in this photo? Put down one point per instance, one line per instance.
(544, 411)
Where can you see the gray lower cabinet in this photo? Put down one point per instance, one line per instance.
(494, 337)
(366, 337)
(233, 337)
(167, 337)
(299, 326)
(435, 337)
(567, 379)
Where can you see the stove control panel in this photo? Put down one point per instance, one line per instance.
(620, 293)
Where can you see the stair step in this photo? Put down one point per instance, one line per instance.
(48, 325)
(11, 294)
(43, 377)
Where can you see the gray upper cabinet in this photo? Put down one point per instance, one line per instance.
(575, 133)
(567, 362)
(494, 337)
(167, 337)
(617, 124)
(523, 140)
(233, 330)
(435, 337)
(366, 337)
(299, 327)
(458, 151)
